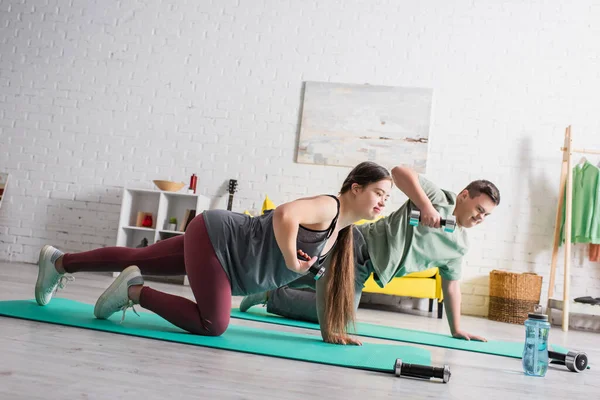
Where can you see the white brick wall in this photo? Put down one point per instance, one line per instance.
(95, 96)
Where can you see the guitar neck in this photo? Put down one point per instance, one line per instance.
(230, 202)
(232, 189)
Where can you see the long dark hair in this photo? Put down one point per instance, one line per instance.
(339, 300)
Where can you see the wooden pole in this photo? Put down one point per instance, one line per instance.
(557, 223)
(568, 210)
(582, 151)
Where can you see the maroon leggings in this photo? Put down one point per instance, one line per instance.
(191, 254)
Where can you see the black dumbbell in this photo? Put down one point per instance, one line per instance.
(575, 361)
(449, 223)
(421, 371)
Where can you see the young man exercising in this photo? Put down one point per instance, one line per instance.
(392, 247)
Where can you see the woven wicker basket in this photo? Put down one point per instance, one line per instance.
(513, 295)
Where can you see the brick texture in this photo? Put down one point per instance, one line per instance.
(95, 96)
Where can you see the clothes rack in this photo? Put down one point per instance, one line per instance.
(566, 181)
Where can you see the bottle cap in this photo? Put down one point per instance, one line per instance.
(537, 313)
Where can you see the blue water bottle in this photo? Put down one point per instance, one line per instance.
(535, 352)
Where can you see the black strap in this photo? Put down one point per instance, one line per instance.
(334, 222)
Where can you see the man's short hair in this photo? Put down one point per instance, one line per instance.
(482, 186)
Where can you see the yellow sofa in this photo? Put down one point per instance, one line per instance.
(424, 285)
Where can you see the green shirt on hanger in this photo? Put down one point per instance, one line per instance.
(585, 204)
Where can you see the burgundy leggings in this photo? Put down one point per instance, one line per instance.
(191, 254)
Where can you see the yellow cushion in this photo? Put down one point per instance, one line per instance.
(367, 221)
(267, 205)
(424, 285)
(409, 287)
(428, 273)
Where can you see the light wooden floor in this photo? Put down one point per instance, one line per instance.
(44, 361)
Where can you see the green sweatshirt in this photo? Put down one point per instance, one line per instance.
(585, 217)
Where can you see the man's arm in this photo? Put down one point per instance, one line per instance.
(407, 181)
(452, 298)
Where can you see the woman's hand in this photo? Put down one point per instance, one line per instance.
(341, 339)
(305, 265)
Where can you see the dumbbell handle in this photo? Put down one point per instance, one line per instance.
(422, 371)
(316, 270)
(449, 224)
(556, 356)
(443, 221)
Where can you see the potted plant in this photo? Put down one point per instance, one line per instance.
(172, 223)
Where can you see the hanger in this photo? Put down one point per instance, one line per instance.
(582, 161)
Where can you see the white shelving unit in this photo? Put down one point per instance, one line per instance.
(163, 205)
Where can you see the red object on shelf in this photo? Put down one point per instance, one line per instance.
(147, 221)
(193, 181)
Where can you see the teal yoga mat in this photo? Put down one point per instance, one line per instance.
(499, 348)
(295, 346)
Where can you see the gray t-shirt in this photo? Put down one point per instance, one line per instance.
(248, 251)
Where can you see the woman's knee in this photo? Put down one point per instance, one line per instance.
(212, 327)
(218, 330)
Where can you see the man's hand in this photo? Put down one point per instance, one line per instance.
(467, 336)
(430, 217)
(452, 298)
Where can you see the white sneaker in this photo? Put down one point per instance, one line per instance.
(115, 297)
(49, 280)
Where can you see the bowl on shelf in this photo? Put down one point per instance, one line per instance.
(169, 186)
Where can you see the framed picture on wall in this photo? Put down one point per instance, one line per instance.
(3, 182)
(345, 124)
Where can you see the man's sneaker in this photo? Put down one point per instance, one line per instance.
(115, 297)
(49, 280)
(252, 300)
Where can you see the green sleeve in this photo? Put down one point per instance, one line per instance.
(433, 192)
(596, 219)
(452, 270)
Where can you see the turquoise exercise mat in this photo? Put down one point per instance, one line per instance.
(295, 346)
(499, 348)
